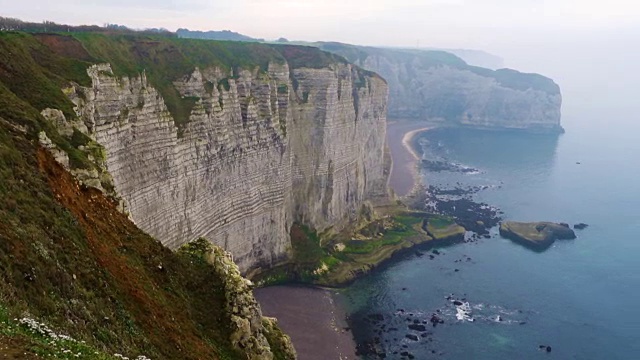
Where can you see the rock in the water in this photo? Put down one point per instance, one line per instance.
(412, 337)
(536, 235)
(580, 226)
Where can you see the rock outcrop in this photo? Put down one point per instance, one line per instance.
(536, 235)
(257, 336)
(258, 151)
(438, 86)
(443, 229)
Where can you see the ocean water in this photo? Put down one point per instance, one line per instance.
(581, 297)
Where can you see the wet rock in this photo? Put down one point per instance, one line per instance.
(435, 320)
(417, 327)
(536, 235)
(411, 337)
(438, 166)
(580, 226)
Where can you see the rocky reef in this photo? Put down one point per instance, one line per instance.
(235, 152)
(536, 235)
(439, 86)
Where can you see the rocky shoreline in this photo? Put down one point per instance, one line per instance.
(448, 215)
(479, 220)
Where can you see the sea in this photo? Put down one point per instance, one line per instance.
(579, 299)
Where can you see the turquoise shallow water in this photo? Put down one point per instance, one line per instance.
(580, 297)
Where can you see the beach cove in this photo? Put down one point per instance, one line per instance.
(315, 317)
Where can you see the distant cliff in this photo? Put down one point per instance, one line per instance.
(233, 142)
(225, 35)
(477, 58)
(436, 85)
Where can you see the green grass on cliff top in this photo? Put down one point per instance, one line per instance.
(36, 66)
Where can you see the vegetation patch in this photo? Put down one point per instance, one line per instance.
(106, 282)
(27, 338)
(283, 89)
(334, 260)
(223, 84)
(442, 227)
(308, 56)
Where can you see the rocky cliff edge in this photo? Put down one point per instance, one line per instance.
(231, 142)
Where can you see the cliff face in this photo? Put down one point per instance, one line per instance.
(260, 150)
(435, 85)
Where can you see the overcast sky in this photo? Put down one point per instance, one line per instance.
(524, 32)
(444, 23)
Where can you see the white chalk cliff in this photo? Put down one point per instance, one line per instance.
(438, 86)
(261, 150)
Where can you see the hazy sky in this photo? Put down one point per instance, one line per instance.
(443, 23)
(582, 44)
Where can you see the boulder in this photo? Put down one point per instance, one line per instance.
(580, 226)
(536, 235)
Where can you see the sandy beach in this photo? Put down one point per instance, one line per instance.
(400, 136)
(312, 319)
(316, 324)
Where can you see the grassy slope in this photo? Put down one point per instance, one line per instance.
(67, 257)
(48, 62)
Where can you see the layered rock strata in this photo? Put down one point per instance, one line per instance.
(260, 150)
(438, 86)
